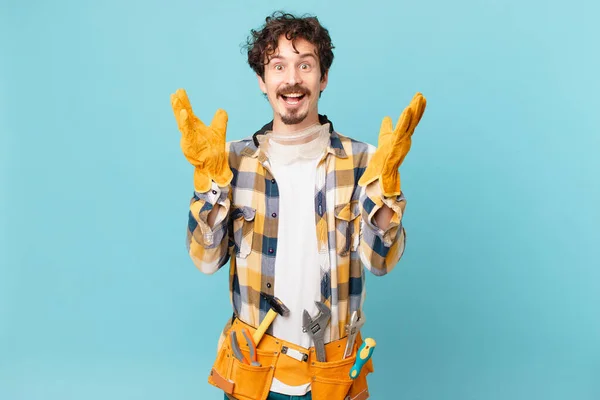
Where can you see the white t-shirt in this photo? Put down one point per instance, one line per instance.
(297, 271)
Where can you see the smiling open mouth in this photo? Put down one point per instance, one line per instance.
(293, 98)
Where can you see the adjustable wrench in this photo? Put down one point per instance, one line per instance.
(356, 322)
(315, 327)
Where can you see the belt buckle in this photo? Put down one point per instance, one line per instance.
(295, 354)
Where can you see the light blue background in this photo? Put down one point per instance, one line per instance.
(497, 295)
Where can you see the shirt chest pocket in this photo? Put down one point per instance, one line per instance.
(347, 227)
(243, 229)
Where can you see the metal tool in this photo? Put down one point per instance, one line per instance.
(277, 307)
(356, 322)
(315, 327)
(237, 352)
(362, 356)
(236, 347)
(251, 347)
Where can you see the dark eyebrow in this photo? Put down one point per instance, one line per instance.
(303, 55)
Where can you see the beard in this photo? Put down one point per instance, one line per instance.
(294, 117)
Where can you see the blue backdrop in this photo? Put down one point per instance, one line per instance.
(497, 295)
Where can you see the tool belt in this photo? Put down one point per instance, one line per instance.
(290, 364)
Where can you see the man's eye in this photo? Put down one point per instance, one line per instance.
(304, 66)
(278, 67)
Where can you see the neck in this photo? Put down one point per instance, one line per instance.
(281, 128)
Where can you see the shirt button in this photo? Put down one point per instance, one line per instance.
(269, 285)
(274, 215)
(270, 250)
(272, 180)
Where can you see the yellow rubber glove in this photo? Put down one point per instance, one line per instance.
(203, 146)
(392, 147)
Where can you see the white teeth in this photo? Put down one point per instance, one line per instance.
(293, 95)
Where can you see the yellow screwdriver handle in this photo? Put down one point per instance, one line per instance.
(362, 356)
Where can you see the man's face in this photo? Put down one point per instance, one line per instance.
(293, 83)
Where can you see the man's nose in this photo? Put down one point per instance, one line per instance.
(293, 76)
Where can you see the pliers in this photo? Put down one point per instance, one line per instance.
(251, 347)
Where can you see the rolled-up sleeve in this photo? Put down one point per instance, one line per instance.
(380, 250)
(208, 247)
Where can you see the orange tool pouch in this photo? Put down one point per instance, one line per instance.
(290, 364)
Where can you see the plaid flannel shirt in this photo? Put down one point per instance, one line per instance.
(245, 229)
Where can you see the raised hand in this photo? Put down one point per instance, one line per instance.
(203, 146)
(393, 146)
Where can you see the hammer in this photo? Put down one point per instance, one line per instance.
(277, 307)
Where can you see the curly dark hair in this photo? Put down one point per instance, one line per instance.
(262, 44)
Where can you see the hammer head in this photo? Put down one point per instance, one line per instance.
(276, 305)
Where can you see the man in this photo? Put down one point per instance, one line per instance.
(299, 209)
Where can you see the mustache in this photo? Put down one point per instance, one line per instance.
(293, 89)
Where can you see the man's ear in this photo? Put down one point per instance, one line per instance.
(324, 80)
(261, 84)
